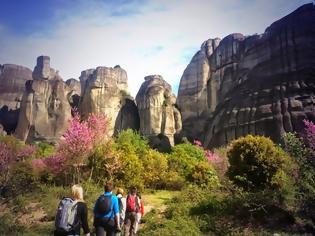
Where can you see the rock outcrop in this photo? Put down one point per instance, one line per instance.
(75, 93)
(105, 90)
(12, 86)
(261, 84)
(158, 113)
(45, 109)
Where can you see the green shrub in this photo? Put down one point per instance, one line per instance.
(138, 144)
(22, 178)
(104, 163)
(154, 169)
(45, 149)
(204, 174)
(131, 169)
(173, 181)
(256, 163)
(12, 142)
(184, 157)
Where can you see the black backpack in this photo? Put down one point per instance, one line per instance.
(103, 205)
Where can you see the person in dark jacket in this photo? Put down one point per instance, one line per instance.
(82, 214)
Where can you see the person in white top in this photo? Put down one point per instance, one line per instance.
(122, 208)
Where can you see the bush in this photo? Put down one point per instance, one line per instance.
(256, 164)
(184, 157)
(204, 174)
(304, 174)
(131, 170)
(104, 163)
(45, 149)
(154, 169)
(173, 181)
(23, 178)
(138, 144)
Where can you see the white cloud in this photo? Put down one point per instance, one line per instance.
(158, 38)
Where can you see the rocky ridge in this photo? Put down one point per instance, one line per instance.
(260, 84)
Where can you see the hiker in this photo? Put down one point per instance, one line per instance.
(141, 211)
(106, 213)
(132, 208)
(72, 214)
(122, 208)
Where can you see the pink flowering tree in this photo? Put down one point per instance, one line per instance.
(6, 158)
(28, 151)
(219, 162)
(310, 133)
(211, 157)
(79, 142)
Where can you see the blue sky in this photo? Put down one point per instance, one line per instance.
(143, 36)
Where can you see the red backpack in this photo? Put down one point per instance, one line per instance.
(132, 203)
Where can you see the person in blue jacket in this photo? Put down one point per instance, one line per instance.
(106, 213)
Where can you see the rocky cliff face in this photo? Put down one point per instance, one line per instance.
(75, 93)
(105, 90)
(12, 86)
(45, 108)
(156, 105)
(260, 84)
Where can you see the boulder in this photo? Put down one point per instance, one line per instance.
(105, 90)
(45, 109)
(260, 84)
(12, 86)
(156, 104)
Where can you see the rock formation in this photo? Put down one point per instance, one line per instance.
(75, 93)
(105, 90)
(156, 105)
(12, 86)
(45, 109)
(261, 84)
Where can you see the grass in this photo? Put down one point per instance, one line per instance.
(158, 199)
(33, 213)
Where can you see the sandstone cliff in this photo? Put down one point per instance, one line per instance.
(45, 109)
(105, 90)
(12, 86)
(260, 84)
(156, 105)
(75, 93)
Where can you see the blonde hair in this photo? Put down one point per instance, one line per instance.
(77, 192)
(120, 191)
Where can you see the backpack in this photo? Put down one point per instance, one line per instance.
(103, 205)
(132, 203)
(121, 206)
(66, 217)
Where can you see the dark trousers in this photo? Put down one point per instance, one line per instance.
(100, 231)
(130, 224)
(105, 225)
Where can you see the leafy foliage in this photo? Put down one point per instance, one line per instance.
(304, 174)
(155, 169)
(204, 175)
(256, 163)
(184, 157)
(104, 162)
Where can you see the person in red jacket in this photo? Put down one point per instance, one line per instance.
(140, 213)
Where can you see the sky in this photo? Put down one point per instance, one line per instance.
(144, 37)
